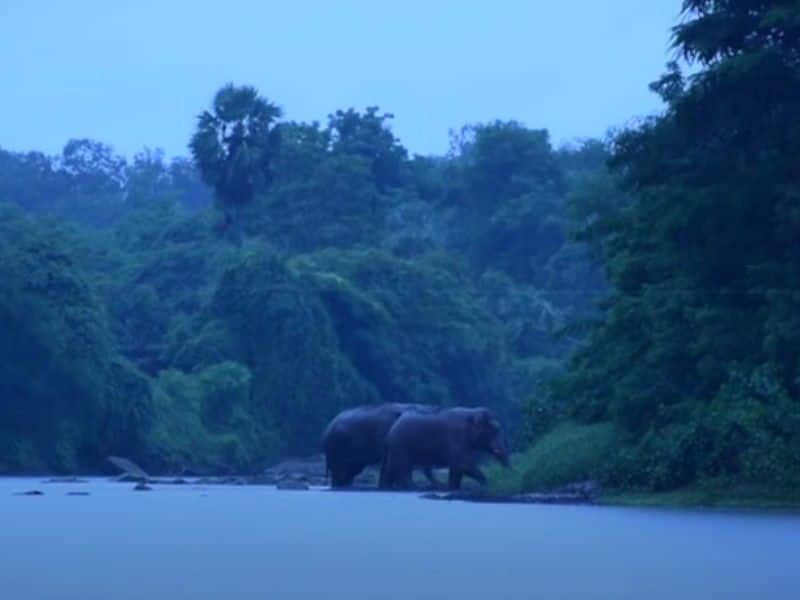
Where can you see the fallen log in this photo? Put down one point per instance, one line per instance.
(129, 468)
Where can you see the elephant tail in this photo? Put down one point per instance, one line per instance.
(383, 477)
(327, 472)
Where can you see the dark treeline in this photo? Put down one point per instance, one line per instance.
(220, 326)
(629, 307)
(697, 357)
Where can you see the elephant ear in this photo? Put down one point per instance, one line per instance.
(479, 422)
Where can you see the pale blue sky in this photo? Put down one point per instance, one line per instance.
(136, 73)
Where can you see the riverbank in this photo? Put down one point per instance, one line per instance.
(737, 497)
(506, 486)
(307, 474)
(573, 452)
(748, 498)
(743, 497)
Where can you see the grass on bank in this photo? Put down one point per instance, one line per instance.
(572, 452)
(708, 495)
(567, 454)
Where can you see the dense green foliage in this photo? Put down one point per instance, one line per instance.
(234, 144)
(66, 395)
(698, 351)
(568, 453)
(333, 270)
(219, 325)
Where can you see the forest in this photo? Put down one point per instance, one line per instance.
(628, 306)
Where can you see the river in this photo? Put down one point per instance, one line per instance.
(197, 543)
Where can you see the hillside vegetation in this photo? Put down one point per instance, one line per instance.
(629, 307)
(221, 326)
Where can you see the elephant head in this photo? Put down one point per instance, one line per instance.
(486, 435)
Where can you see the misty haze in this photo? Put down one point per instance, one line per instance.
(424, 300)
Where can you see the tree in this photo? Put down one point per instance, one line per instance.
(67, 398)
(93, 167)
(190, 190)
(508, 193)
(234, 145)
(335, 185)
(303, 146)
(148, 178)
(368, 135)
(699, 348)
(31, 180)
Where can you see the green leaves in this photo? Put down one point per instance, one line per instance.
(284, 334)
(235, 143)
(207, 421)
(704, 271)
(368, 136)
(714, 30)
(361, 275)
(63, 386)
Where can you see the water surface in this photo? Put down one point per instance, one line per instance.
(187, 542)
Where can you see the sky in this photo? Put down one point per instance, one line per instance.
(136, 74)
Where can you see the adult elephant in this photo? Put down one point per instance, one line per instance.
(355, 439)
(454, 438)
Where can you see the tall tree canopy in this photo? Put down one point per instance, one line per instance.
(699, 349)
(235, 143)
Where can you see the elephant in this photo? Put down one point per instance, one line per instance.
(454, 438)
(355, 439)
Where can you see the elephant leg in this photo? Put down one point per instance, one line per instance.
(352, 473)
(395, 480)
(428, 471)
(383, 479)
(454, 480)
(407, 481)
(343, 475)
(404, 476)
(387, 478)
(392, 472)
(339, 477)
(476, 474)
(341, 481)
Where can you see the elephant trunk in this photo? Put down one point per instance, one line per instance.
(499, 451)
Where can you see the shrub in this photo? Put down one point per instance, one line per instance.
(569, 453)
(749, 433)
(206, 421)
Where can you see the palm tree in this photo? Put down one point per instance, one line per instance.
(234, 144)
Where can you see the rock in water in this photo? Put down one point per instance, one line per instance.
(66, 480)
(78, 494)
(292, 484)
(311, 469)
(30, 493)
(142, 487)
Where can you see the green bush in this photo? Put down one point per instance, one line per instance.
(416, 330)
(748, 434)
(538, 411)
(569, 453)
(285, 336)
(356, 275)
(697, 350)
(207, 421)
(66, 396)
